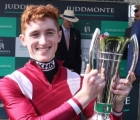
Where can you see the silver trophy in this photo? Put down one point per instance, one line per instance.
(106, 53)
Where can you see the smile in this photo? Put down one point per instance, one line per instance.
(43, 49)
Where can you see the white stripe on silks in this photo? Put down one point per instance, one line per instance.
(73, 81)
(74, 106)
(116, 114)
(23, 82)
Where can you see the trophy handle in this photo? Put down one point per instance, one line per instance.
(135, 45)
(95, 37)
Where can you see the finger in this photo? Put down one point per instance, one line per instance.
(128, 83)
(113, 86)
(132, 76)
(102, 71)
(120, 92)
(124, 87)
(93, 73)
(87, 69)
(97, 81)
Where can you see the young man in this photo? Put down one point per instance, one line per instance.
(45, 90)
(69, 48)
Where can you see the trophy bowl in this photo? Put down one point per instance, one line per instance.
(106, 53)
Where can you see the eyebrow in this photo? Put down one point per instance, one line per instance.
(50, 29)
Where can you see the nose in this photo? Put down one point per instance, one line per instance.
(42, 40)
(70, 23)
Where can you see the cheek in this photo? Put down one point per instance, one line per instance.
(31, 46)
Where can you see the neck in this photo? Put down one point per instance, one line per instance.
(46, 66)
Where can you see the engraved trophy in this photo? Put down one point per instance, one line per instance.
(106, 52)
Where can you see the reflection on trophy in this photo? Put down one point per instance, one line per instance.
(106, 53)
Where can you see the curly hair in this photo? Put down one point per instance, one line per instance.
(38, 12)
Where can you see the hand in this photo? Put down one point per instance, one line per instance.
(93, 83)
(121, 88)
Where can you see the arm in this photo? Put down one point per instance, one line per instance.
(16, 102)
(121, 88)
(20, 107)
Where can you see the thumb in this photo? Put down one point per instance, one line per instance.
(87, 69)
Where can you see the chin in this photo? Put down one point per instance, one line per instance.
(44, 59)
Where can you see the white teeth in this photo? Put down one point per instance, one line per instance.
(43, 49)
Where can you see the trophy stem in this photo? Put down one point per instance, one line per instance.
(102, 111)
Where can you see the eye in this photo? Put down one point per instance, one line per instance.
(50, 33)
(35, 34)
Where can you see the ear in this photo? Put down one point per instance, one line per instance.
(22, 39)
(59, 35)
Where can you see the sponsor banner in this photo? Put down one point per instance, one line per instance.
(115, 28)
(7, 46)
(21, 51)
(20, 62)
(7, 27)
(7, 65)
(87, 27)
(84, 10)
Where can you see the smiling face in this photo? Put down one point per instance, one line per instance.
(41, 39)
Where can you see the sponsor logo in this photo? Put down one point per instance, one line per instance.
(105, 108)
(75, 8)
(91, 9)
(21, 50)
(46, 66)
(15, 6)
(5, 27)
(5, 66)
(21, 47)
(127, 100)
(1, 45)
(2, 48)
(87, 28)
(115, 30)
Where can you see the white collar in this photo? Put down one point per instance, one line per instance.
(64, 29)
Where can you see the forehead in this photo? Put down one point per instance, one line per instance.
(47, 23)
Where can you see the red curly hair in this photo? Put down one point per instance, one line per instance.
(39, 12)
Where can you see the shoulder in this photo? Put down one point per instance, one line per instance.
(75, 30)
(136, 23)
(136, 28)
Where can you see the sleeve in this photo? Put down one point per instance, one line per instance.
(20, 107)
(89, 110)
(115, 117)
